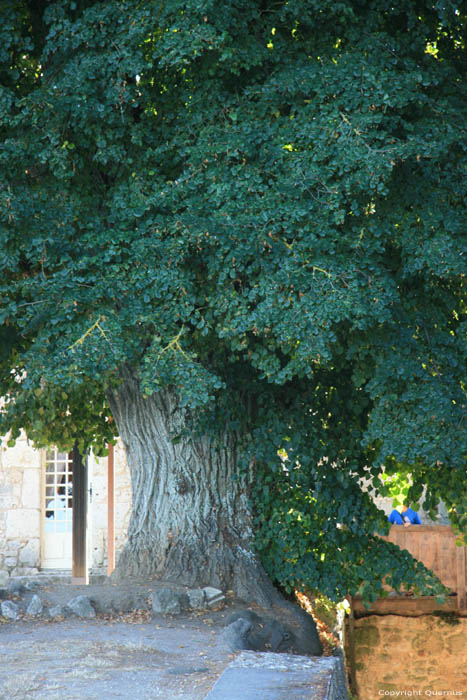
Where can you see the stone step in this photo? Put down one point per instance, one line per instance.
(268, 676)
(55, 576)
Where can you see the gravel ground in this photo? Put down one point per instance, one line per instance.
(126, 651)
(133, 658)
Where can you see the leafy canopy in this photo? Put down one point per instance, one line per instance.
(258, 204)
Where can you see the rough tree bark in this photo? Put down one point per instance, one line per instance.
(190, 521)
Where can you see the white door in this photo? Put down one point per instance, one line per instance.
(57, 510)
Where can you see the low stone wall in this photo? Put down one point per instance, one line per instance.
(268, 676)
(409, 656)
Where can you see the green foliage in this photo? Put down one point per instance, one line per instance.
(314, 525)
(259, 204)
(326, 610)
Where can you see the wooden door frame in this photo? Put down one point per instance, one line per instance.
(79, 570)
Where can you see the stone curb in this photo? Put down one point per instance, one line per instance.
(270, 676)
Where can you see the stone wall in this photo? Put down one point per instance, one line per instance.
(399, 656)
(20, 508)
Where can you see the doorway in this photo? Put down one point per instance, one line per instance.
(57, 510)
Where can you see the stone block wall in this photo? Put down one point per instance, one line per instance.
(20, 509)
(21, 513)
(399, 656)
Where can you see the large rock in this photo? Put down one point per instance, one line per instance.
(57, 611)
(9, 610)
(235, 635)
(303, 629)
(81, 606)
(165, 601)
(197, 599)
(247, 630)
(213, 596)
(35, 606)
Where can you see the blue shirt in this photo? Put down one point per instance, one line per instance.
(397, 519)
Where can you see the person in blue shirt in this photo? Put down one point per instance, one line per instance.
(407, 517)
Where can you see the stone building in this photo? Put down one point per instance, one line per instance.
(36, 493)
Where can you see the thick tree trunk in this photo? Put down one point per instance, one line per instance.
(190, 522)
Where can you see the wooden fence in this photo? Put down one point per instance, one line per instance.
(435, 546)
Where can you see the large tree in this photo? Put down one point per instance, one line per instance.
(231, 233)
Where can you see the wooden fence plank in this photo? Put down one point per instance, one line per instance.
(461, 578)
(435, 546)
